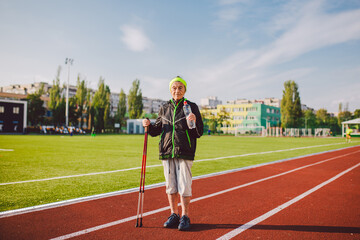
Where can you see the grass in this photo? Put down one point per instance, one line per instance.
(39, 157)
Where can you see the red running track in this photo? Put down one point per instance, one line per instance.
(221, 204)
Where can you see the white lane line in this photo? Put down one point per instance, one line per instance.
(156, 185)
(7, 150)
(159, 165)
(272, 212)
(79, 175)
(85, 231)
(268, 152)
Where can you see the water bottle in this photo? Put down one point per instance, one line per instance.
(187, 111)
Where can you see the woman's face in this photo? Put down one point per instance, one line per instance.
(177, 90)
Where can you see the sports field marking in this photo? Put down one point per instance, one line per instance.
(268, 152)
(7, 150)
(99, 227)
(160, 165)
(156, 185)
(73, 176)
(272, 212)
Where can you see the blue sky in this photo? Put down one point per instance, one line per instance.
(225, 48)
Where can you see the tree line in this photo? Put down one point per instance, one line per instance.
(292, 116)
(94, 108)
(88, 106)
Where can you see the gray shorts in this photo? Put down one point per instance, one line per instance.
(178, 176)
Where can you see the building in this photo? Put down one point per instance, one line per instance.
(275, 102)
(152, 105)
(134, 126)
(21, 91)
(304, 107)
(25, 89)
(13, 116)
(114, 102)
(244, 116)
(209, 102)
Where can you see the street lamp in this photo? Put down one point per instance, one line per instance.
(68, 61)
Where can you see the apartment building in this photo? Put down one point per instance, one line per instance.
(245, 116)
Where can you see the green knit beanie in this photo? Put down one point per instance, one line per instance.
(177, 79)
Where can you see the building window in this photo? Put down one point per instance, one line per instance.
(16, 110)
(251, 109)
(238, 117)
(2, 109)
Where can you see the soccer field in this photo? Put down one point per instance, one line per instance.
(43, 169)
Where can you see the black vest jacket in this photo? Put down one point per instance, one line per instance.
(176, 139)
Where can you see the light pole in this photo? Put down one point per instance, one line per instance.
(68, 61)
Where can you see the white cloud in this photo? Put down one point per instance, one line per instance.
(228, 14)
(231, 2)
(314, 30)
(247, 73)
(230, 11)
(344, 91)
(135, 38)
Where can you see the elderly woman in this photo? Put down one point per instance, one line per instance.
(177, 150)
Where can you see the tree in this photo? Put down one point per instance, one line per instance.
(36, 109)
(121, 109)
(322, 118)
(216, 121)
(222, 117)
(101, 105)
(309, 119)
(73, 111)
(135, 100)
(81, 94)
(89, 109)
(344, 115)
(56, 103)
(333, 125)
(357, 113)
(291, 106)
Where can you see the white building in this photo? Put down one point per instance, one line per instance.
(114, 102)
(275, 102)
(134, 126)
(210, 102)
(25, 88)
(152, 105)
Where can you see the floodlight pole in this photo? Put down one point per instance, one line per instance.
(68, 61)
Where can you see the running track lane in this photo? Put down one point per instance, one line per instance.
(212, 217)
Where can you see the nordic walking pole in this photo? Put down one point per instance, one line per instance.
(142, 183)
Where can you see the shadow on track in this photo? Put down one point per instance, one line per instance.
(198, 227)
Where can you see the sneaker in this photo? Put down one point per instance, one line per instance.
(184, 223)
(173, 221)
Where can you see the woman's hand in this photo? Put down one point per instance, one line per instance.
(146, 122)
(192, 117)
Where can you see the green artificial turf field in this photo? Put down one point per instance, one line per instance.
(37, 157)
